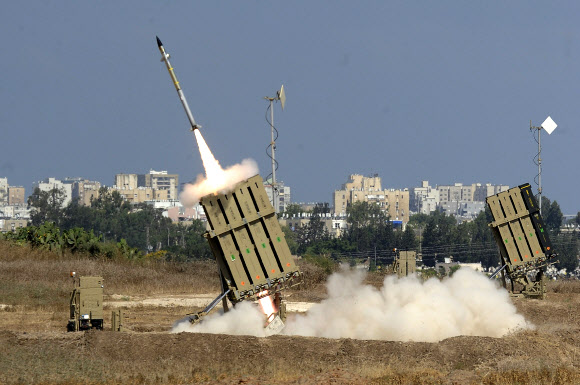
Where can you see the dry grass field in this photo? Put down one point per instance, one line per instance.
(36, 349)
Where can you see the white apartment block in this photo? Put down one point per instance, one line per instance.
(51, 183)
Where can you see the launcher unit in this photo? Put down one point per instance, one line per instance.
(86, 304)
(523, 241)
(249, 246)
(405, 263)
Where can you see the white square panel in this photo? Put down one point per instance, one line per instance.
(549, 125)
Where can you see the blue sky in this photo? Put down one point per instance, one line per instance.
(439, 91)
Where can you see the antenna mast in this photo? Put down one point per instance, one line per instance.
(281, 96)
(549, 125)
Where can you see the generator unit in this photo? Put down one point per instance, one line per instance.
(86, 304)
(249, 246)
(523, 241)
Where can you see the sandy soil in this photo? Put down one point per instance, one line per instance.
(36, 349)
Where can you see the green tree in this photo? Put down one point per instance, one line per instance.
(551, 214)
(554, 218)
(368, 227)
(292, 209)
(188, 242)
(409, 240)
(484, 248)
(290, 237)
(77, 215)
(438, 237)
(418, 220)
(311, 233)
(567, 246)
(46, 206)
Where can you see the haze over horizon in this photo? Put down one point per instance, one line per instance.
(411, 91)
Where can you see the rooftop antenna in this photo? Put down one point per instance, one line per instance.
(280, 96)
(549, 126)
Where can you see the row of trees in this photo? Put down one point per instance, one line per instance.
(436, 236)
(76, 240)
(369, 232)
(113, 219)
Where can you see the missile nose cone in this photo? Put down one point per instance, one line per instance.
(159, 43)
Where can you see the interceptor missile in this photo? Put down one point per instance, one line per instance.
(165, 58)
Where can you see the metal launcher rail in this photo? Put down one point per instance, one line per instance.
(247, 242)
(523, 241)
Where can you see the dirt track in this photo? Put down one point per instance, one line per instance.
(41, 352)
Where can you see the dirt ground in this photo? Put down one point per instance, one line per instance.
(35, 348)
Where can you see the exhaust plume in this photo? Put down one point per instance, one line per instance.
(216, 180)
(402, 310)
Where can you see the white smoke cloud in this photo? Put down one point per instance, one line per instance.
(402, 310)
(221, 182)
(244, 319)
(408, 310)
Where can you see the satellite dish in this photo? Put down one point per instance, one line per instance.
(282, 96)
(549, 125)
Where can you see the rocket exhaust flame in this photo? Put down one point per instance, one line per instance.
(216, 180)
(215, 175)
(267, 305)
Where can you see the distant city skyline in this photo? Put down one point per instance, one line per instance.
(30, 188)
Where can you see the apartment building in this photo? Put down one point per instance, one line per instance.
(424, 199)
(139, 188)
(16, 196)
(395, 202)
(282, 195)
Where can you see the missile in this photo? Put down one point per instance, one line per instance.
(165, 58)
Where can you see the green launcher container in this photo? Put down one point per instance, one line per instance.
(518, 229)
(247, 241)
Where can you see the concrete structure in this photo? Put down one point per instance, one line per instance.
(457, 192)
(15, 212)
(160, 180)
(136, 195)
(394, 202)
(334, 225)
(84, 190)
(424, 199)
(156, 185)
(463, 211)
(3, 191)
(126, 181)
(283, 195)
(51, 183)
(16, 196)
(483, 191)
(73, 188)
(466, 201)
(12, 224)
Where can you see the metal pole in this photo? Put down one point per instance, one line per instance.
(540, 170)
(273, 144)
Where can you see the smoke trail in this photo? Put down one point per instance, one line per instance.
(216, 180)
(402, 310)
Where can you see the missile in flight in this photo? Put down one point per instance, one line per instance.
(165, 58)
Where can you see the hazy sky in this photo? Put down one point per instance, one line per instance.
(441, 91)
